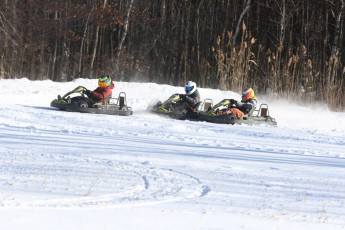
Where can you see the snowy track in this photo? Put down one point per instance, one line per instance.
(73, 180)
(52, 160)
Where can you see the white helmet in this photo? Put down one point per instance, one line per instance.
(190, 87)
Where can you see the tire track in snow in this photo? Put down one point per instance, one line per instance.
(53, 176)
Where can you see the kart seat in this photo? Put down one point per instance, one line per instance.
(264, 112)
(208, 104)
(106, 100)
(121, 101)
(251, 111)
(249, 114)
(196, 107)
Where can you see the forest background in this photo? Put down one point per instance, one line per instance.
(283, 48)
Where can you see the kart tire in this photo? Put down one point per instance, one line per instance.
(83, 104)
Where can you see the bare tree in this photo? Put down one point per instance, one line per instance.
(123, 36)
(288, 47)
(96, 45)
(83, 39)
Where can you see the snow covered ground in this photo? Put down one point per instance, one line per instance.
(64, 170)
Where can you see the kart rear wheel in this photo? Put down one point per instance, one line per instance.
(83, 104)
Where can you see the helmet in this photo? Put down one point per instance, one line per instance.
(104, 81)
(248, 93)
(190, 87)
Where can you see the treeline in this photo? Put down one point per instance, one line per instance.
(290, 48)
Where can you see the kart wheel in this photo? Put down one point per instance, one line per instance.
(232, 116)
(83, 104)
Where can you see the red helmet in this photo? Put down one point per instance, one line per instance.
(248, 93)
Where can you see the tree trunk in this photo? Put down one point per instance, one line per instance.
(124, 34)
(95, 47)
(83, 40)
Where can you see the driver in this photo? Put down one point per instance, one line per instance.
(192, 96)
(104, 90)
